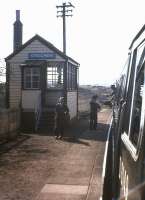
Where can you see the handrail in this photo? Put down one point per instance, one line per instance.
(137, 193)
(137, 36)
(106, 149)
(107, 167)
(37, 111)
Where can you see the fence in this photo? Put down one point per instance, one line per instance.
(9, 124)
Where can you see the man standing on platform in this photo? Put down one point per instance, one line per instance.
(94, 107)
(61, 113)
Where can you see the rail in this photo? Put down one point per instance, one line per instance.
(37, 111)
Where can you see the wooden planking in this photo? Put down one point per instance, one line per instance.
(30, 98)
(15, 70)
(15, 85)
(72, 103)
(13, 104)
(35, 46)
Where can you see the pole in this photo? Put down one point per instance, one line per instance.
(64, 30)
(64, 12)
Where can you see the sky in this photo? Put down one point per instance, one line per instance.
(97, 36)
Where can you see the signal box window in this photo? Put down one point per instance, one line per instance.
(31, 78)
(72, 77)
(54, 77)
(137, 106)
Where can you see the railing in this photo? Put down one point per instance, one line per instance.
(37, 111)
(109, 187)
(107, 167)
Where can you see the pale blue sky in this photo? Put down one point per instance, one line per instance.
(98, 35)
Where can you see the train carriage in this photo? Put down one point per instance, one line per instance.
(128, 131)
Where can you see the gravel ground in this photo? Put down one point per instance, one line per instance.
(27, 162)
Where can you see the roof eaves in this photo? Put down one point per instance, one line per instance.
(73, 60)
(20, 48)
(43, 41)
(50, 45)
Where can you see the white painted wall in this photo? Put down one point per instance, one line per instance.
(15, 85)
(72, 103)
(30, 98)
(15, 92)
(34, 47)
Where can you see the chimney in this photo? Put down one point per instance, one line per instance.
(18, 26)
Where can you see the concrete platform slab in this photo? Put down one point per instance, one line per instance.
(46, 196)
(65, 189)
(69, 192)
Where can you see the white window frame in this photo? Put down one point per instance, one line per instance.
(31, 75)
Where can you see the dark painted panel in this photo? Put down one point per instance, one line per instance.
(28, 121)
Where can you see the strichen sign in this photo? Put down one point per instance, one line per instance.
(41, 55)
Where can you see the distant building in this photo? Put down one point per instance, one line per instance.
(37, 75)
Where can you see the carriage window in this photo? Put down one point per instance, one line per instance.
(54, 77)
(137, 106)
(129, 94)
(140, 54)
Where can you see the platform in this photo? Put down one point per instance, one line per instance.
(39, 167)
(78, 175)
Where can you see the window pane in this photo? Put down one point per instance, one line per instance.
(36, 70)
(55, 76)
(27, 85)
(35, 81)
(35, 84)
(27, 71)
(140, 53)
(129, 94)
(136, 116)
(28, 78)
(31, 77)
(35, 78)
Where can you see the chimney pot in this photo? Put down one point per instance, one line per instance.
(17, 15)
(18, 29)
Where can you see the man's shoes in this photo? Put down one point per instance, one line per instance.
(58, 137)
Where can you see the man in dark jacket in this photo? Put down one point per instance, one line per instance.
(94, 107)
(61, 112)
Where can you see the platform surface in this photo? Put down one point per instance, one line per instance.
(39, 167)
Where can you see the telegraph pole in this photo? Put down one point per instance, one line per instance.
(64, 10)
